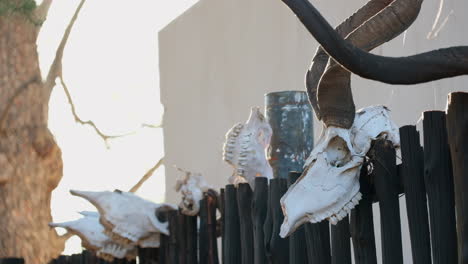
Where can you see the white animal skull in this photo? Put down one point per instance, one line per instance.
(127, 218)
(191, 186)
(245, 149)
(92, 236)
(329, 185)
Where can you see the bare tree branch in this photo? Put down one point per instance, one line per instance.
(147, 175)
(55, 70)
(88, 122)
(145, 125)
(40, 14)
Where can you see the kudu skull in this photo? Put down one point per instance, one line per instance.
(92, 236)
(245, 149)
(329, 185)
(127, 218)
(346, 137)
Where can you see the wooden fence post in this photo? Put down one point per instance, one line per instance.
(208, 246)
(173, 243)
(278, 247)
(181, 237)
(297, 241)
(163, 216)
(457, 130)
(386, 182)
(268, 226)
(191, 237)
(318, 242)
(438, 179)
(259, 212)
(340, 242)
(222, 224)
(415, 194)
(147, 255)
(232, 241)
(244, 205)
(362, 222)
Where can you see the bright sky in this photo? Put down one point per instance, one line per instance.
(111, 68)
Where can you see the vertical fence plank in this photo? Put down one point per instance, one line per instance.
(181, 240)
(268, 226)
(208, 246)
(340, 242)
(222, 223)
(164, 249)
(439, 186)
(297, 241)
(412, 175)
(386, 182)
(244, 205)
(362, 223)
(173, 243)
(163, 216)
(259, 212)
(457, 130)
(278, 247)
(318, 242)
(191, 244)
(232, 229)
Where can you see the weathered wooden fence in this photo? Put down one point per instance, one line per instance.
(245, 223)
(250, 221)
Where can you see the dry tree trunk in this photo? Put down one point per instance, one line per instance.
(30, 160)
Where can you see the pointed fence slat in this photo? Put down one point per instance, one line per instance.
(208, 246)
(297, 241)
(383, 157)
(438, 180)
(191, 243)
(232, 241)
(174, 247)
(412, 175)
(259, 213)
(340, 242)
(278, 247)
(457, 131)
(318, 242)
(222, 224)
(362, 223)
(244, 205)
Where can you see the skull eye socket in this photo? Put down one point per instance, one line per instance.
(338, 153)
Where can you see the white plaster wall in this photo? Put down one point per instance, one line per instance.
(221, 56)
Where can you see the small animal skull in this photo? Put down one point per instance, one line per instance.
(245, 149)
(127, 218)
(329, 185)
(191, 186)
(92, 236)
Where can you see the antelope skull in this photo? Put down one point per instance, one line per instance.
(127, 218)
(191, 186)
(244, 149)
(92, 236)
(329, 185)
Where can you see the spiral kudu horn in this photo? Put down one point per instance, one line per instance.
(374, 24)
(352, 55)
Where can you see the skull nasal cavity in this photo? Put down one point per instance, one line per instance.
(337, 152)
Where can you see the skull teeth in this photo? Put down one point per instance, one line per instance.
(343, 212)
(335, 217)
